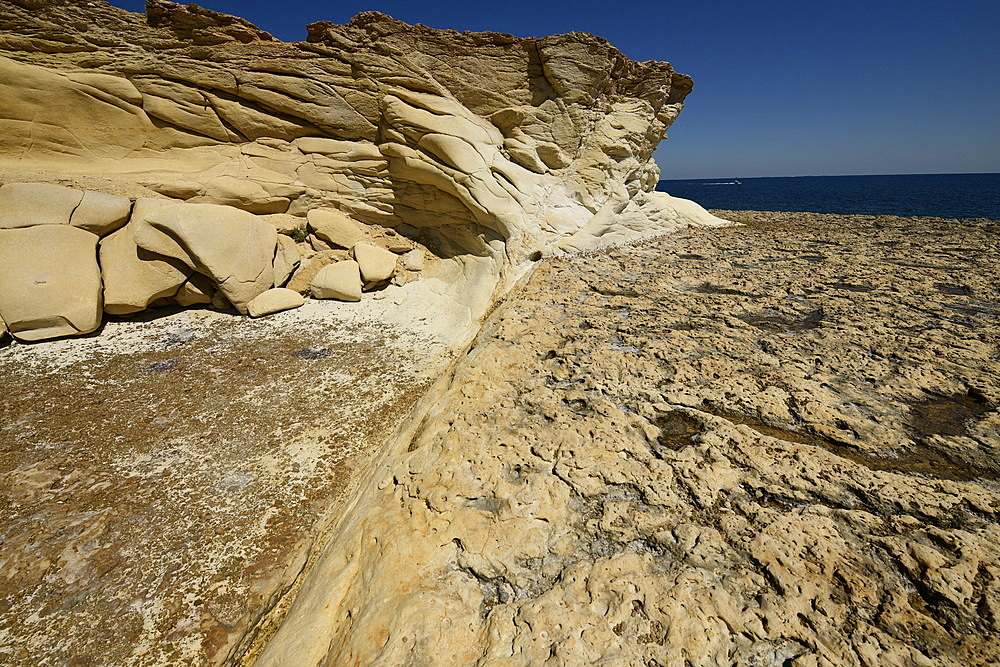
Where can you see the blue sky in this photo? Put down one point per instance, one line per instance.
(781, 88)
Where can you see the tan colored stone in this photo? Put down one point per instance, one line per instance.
(50, 283)
(413, 260)
(395, 243)
(377, 264)
(197, 291)
(286, 258)
(231, 246)
(319, 245)
(273, 301)
(134, 277)
(143, 206)
(308, 268)
(284, 223)
(334, 227)
(219, 301)
(241, 193)
(28, 204)
(340, 281)
(101, 214)
(88, 115)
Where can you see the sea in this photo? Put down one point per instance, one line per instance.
(937, 195)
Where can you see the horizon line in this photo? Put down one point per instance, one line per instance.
(929, 173)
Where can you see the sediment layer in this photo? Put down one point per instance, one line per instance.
(771, 444)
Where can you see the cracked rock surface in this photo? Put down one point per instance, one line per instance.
(773, 444)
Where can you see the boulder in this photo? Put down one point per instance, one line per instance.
(3, 329)
(286, 258)
(413, 260)
(319, 245)
(273, 301)
(101, 214)
(230, 246)
(29, 204)
(334, 227)
(398, 244)
(308, 268)
(134, 277)
(377, 264)
(50, 284)
(145, 205)
(338, 281)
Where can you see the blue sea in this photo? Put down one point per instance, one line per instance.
(938, 195)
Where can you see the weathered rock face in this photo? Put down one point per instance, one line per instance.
(486, 148)
(230, 246)
(447, 162)
(492, 144)
(134, 278)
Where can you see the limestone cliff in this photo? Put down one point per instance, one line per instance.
(488, 148)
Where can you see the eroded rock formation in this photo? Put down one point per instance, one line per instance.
(163, 504)
(487, 148)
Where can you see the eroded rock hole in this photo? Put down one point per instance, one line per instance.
(946, 415)
(954, 290)
(785, 324)
(677, 429)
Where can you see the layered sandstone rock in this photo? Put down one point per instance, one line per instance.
(230, 246)
(485, 147)
(133, 277)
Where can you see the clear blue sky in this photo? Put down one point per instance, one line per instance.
(781, 88)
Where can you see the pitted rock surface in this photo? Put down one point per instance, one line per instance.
(774, 444)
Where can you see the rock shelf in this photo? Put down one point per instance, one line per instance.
(627, 469)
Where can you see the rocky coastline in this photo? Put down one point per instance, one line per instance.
(381, 348)
(772, 442)
(769, 444)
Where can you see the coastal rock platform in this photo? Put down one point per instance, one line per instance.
(165, 481)
(769, 444)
